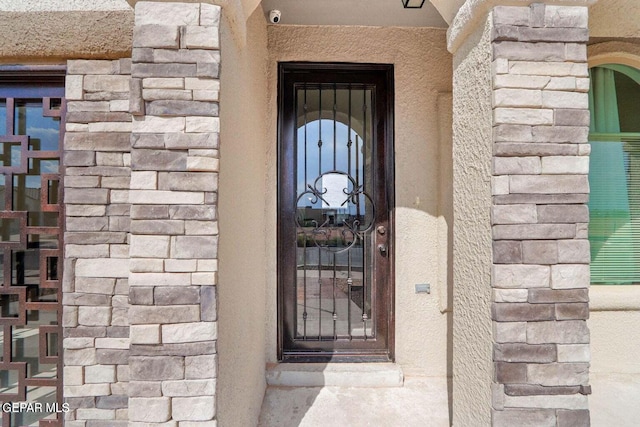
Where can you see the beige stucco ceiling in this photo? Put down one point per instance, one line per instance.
(355, 12)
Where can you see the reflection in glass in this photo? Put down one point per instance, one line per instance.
(9, 381)
(43, 131)
(334, 213)
(43, 395)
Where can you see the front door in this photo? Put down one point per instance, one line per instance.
(335, 229)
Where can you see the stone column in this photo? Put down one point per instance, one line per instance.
(96, 248)
(174, 162)
(531, 61)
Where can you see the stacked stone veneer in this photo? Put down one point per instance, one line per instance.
(97, 173)
(174, 164)
(539, 216)
(141, 162)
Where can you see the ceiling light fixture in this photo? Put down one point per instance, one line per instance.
(413, 4)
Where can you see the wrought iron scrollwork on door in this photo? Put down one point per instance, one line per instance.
(345, 214)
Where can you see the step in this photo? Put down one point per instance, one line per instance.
(335, 374)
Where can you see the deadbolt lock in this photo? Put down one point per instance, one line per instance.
(381, 230)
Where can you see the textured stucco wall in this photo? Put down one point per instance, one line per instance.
(59, 29)
(422, 70)
(241, 338)
(472, 151)
(615, 18)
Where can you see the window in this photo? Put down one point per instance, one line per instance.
(614, 176)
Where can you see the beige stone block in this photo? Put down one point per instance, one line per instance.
(73, 87)
(95, 285)
(195, 83)
(94, 316)
(202, 278)
(183, 388)
(584, 149)
(202, 164)
(574, 353)
(513, 214)
(145, 334)
(70, 317)
(119, 105)
(160, 279)
(73, 375)
(83, 106)
(518, 116)
(516, 166)
(100, 374)
(152, 124)
(115, 343)
(149, 246)
(575, 251)
(149, 409)
(202, 37)
(193, 408)
(201, 227)
(157, 197)
(202, 124)
(167, 13)
(76, 127)
(570, 276)
(77, 343)
(207, 265)
(146, 265)
(519, 82)
(114, 83)
(209, 14)
(582, 84)
(558, 374)
(510, 332)
(510, 295)
(517, 98)
(180, 265)
(211, 423)
(110, 127)
(500, 66)
(205, 95)
(102, 267)
(548, 184)
(520, 276)
(86, 390)
(80, 357)
(156, 36)
(573, 401)
(86, 251)
(95, 414)
(167, 94)
(561, 83)
(144, 180)
(163, 83)
(499, 185)
(189, 332)
(566, 16)
(205, 366)
(548, 68)
(563, 99)
(565, 165)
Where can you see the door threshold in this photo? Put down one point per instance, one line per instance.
(334, 375)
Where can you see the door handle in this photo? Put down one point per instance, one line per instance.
(383, 249)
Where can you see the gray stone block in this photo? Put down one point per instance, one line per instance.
(507, 252)
(560, 332)
(157, 227)
(140, 315)
(538, 390)
(543, 353)
(524, 418)
(534, 231)
(511, 373)
(145, 388)
(574, 251)
(176, 295)
(159, 368)
(563, 214)
(163, 70)
(181, 108)
(522, 312)
(541, 199)
(183, 349)
(508, 149)
(79, 158)
(155, 36)
(149, 212)
(201, 213)
(141, 295)
(549, 184)
(574, 418)
(558, 295)
(208, 306)
(558, 374)
(188, 181)
(540, 252)
(107, 356)
(188, 247)
(569, 311)
(97, 141)
(144, 159)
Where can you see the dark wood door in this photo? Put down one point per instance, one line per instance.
(335, 195)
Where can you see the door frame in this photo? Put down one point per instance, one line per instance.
(285, 166)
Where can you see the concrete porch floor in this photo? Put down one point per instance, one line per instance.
(351, 400)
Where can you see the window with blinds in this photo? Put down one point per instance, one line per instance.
(614, 175)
